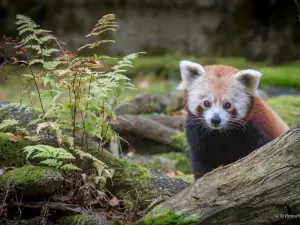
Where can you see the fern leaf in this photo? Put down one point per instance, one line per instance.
(83, 154)
(52, 163)
(47, 52)
(8, 123)
(35, 61)
(69, 167)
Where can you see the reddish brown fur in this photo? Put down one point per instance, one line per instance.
(259, 113)
(221, 70)
(266, 119)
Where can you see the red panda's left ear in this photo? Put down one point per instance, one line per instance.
(251, 79)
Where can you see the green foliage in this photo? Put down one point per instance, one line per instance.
(288, 107)
(179, 140)
(8, 123)
(54, 157)
(76, 95)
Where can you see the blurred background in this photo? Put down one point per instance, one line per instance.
(241, 33)
(256, 34)
(259, 30)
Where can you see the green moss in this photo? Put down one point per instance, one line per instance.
(179, 140)
(180, 161)
(170, 218)
(130, 181)
(11, 151)
(33, 179)
(288, 107)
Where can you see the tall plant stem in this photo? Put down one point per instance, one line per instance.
(38, 89)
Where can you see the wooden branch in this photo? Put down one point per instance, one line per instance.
(146, 128)
(51, 205)
(262, 188)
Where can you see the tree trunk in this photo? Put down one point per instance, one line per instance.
(262, 188)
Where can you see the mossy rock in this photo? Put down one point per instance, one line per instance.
(11, 151)
(288, 107)
(83, 220)
(180, 161)
(33, 180)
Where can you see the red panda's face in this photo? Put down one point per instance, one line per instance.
(218, 95)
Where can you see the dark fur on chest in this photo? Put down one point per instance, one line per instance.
(213, 149)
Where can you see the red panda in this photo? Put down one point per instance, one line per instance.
(226, 118)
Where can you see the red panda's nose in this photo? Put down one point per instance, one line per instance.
(215, 120)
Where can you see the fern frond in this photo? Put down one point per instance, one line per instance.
(105, 24)
(47, 151)
(83, 154)
(52, 163)
(8, 123)
(69, 166)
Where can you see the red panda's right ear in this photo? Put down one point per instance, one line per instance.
(189, 71)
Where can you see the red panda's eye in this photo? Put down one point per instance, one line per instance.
(206, 104)
(227, 105)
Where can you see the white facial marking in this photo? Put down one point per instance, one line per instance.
(194, 93)
(216, 110)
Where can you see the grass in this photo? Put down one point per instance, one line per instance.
(288, 107)
(287, 75)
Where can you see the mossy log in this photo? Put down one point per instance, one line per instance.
(262, 188)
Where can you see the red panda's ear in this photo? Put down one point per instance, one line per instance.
(189, 71)
(251, 79)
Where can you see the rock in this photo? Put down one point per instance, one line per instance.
(94, 219)
(33, 180)
(23, 114)
(273, 91)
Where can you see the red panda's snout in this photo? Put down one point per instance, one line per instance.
(222, 115)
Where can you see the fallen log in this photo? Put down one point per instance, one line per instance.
(148, 128)
(262, 188)
(175, 122)
(147, 104)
